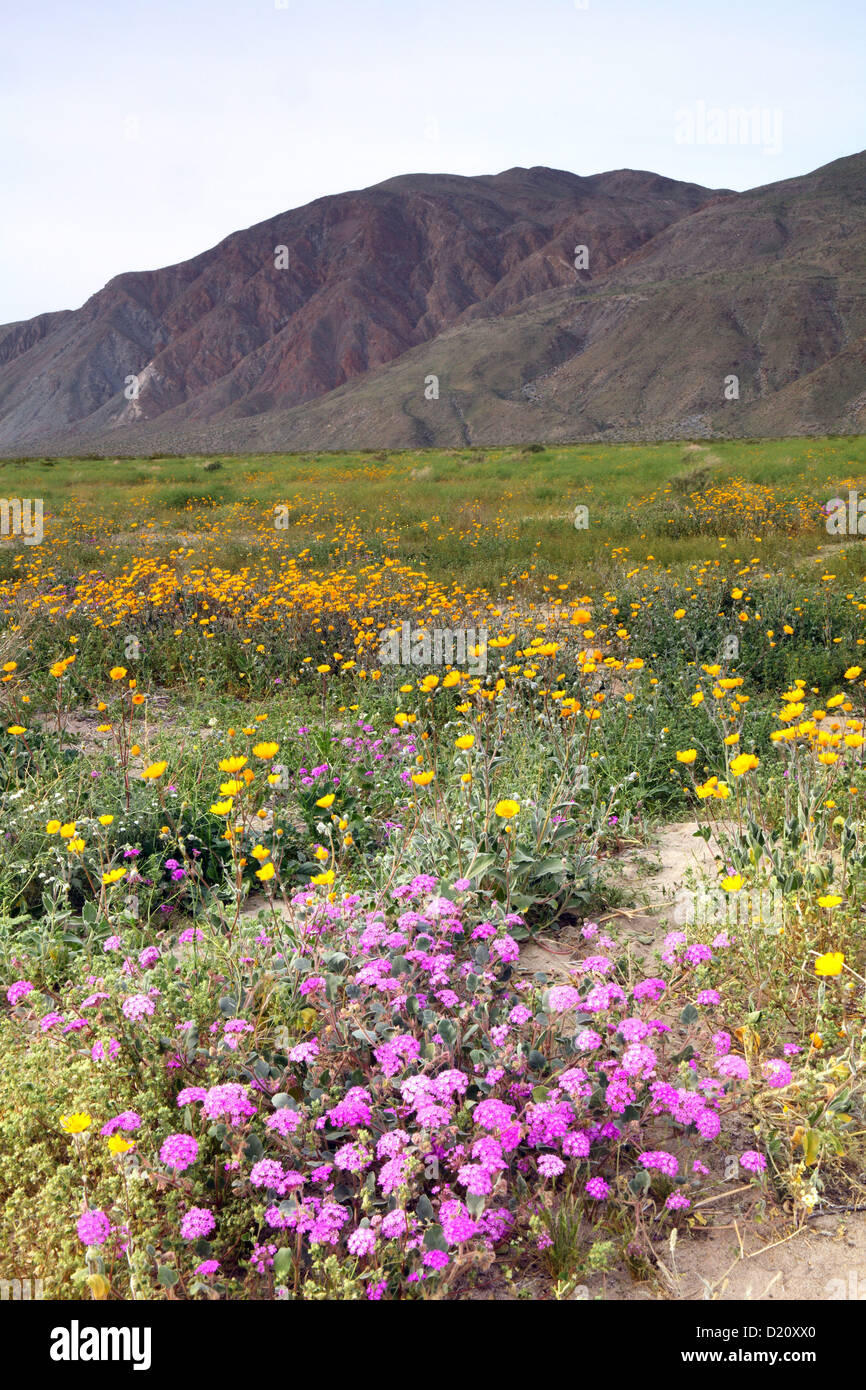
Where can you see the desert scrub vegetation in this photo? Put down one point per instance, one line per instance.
(270, 865)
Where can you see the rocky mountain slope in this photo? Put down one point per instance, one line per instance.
(323, 327)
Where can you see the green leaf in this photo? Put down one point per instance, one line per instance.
(480, 866)
(840, 1102)
(166, 1276)
(522, 902)
(434, 1238)
(549, 866)
(254, 1148)
(811, 1146)
(447, 1032)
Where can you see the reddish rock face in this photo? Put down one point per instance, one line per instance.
(364, 277)
(318, 328)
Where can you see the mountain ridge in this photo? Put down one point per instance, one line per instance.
(470, 279)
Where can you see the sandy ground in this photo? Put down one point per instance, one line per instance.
(740, 1253)
(652, 876)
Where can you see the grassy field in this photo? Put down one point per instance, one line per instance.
(470, 517)
(267, 871)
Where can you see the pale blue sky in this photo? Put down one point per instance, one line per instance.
(136, 133)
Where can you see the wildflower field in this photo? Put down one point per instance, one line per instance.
(319, 776)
